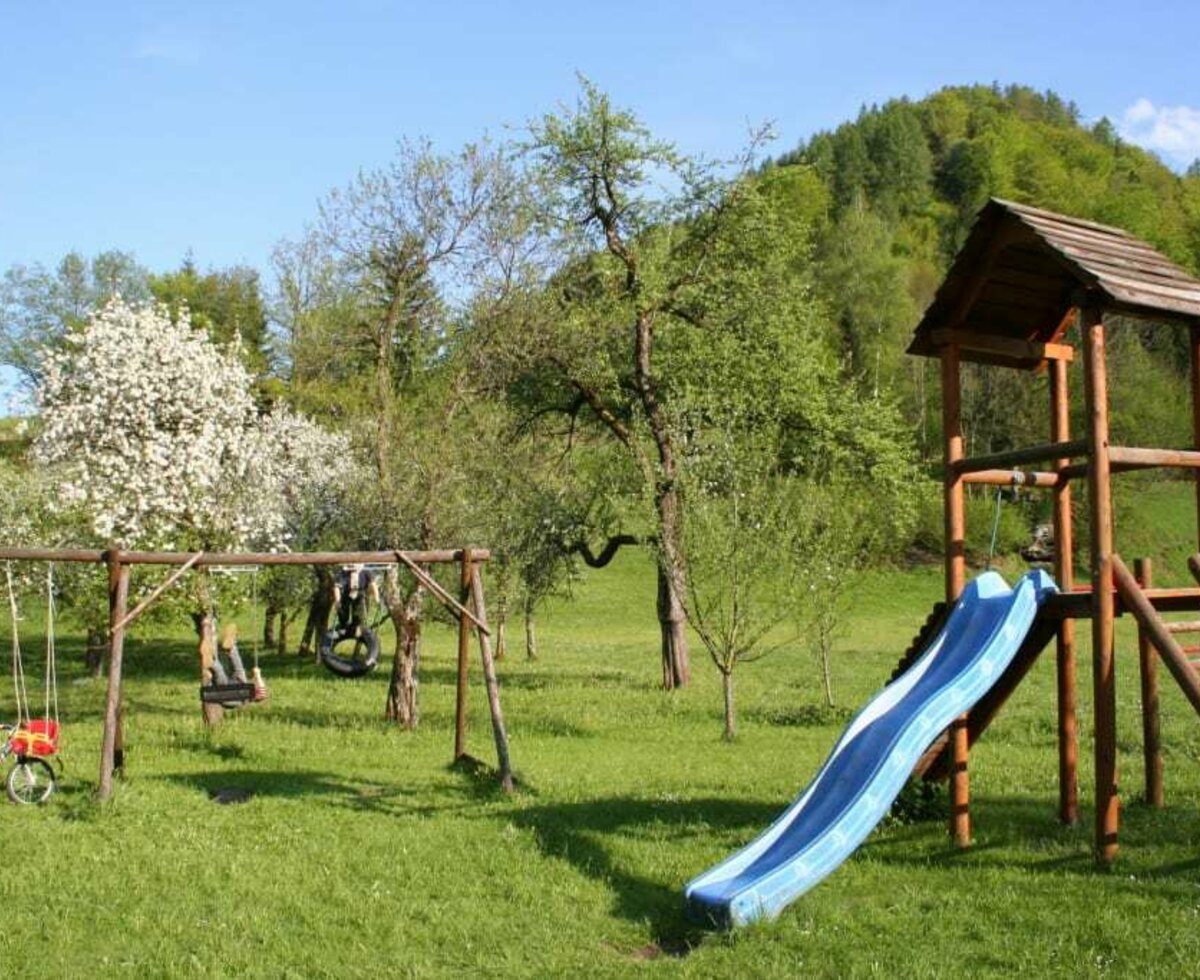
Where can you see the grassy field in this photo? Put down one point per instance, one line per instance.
(361, 853)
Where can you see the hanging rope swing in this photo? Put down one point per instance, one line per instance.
(33, 740)
(229, 686)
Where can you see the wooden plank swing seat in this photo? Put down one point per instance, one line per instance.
(234, 694)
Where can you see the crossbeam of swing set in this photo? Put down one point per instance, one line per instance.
(435, 557)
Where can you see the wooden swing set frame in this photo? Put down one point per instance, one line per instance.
(469, 609)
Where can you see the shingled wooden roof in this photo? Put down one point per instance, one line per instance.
(1011, 290)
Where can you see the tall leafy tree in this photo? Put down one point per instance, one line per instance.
(626, 265)
(227, 304)
(39, 307)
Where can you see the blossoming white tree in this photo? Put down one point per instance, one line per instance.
(154, 433)
(154, 436)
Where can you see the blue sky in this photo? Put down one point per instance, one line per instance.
(214, 128)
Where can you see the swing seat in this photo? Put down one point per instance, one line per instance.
(37, 738)
(228, 695)
(366, 643)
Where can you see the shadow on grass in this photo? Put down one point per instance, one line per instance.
(580, 834)
(363, 796)
(1025, 833)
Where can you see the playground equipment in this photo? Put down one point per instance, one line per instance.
(119, 563)
(32, 741)
(354, 590)
(1023, 278)
(871, 762)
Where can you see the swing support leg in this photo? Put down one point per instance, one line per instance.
(113, 742)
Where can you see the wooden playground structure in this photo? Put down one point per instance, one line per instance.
(1023, 278)
(469, 609)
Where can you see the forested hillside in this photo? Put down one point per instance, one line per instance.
(892, 196)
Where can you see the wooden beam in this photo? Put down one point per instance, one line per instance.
(464, 661)
(1148, 675)
(1012, 478)
(1129, 457)
(1006, 347)
(145, 604)
(1064, 573)
(243, 557)
(439, 593)
(955, 558)
(1194, 362)
(1016, 457)
(1104, 701)
(1171, 652)
(110, 743)
(493, 685)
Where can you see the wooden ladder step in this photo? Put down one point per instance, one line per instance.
(1189, 626)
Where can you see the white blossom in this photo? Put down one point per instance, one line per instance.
(153, 430)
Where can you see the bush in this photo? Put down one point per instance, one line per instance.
(1017, 518)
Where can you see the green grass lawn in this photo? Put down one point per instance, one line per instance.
(361, 853)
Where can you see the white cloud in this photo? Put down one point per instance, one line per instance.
(1173, 131)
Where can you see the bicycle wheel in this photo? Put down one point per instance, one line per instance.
(31, 780)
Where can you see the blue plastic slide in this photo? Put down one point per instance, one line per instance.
(874, 757)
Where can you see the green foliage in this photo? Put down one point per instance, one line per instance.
(903, 184)
(39, 307)
(226, 303)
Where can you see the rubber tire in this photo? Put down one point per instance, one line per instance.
(30, 781)
(349, 666)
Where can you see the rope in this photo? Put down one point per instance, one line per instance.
(51, 651)
(255, 628)
(995, 528)
(18, 668)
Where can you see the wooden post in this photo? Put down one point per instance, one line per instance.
(1064, 574)
(1100, 504)
(1194, 358)
(1148, 664)
(960, 814)
(493, 684)
(112, 743)
(464, 658)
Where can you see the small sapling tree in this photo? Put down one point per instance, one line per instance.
(740, 531)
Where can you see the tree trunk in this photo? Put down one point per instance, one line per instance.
(672, 624)
(285, 621)
(269, 615)
(96, 653)
(501, 624)
(826, 648)
(730, 732)
(531, 647)
(402, 706)
(673, 577)
(319, 608)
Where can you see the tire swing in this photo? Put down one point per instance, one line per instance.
(351, 590)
